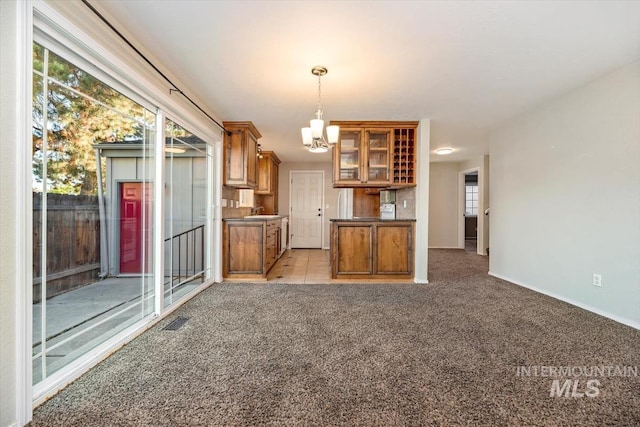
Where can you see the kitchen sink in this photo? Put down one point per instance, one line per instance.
(263, 216)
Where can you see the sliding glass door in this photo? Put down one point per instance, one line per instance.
(93, 228)
(188, 195)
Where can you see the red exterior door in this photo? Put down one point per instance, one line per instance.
(135, 227)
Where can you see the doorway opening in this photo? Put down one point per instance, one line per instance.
(306, 200)
(471, 211)
(470, 207)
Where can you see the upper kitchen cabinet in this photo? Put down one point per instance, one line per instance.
(240, 154)
(266, 194)
(347, 158)
(404, 155)
(267, 173)
(375, 154)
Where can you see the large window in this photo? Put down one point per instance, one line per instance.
(92, 219)
(101, 266)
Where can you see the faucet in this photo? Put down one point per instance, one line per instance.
(254, 211)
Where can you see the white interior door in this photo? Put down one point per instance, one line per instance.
(307, 189)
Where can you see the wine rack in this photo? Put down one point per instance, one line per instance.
(404, 160)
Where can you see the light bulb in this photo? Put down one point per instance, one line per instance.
(316, 127)
(307, 138)
(332, 134)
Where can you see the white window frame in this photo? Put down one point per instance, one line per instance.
(54, 31)
(468, 189)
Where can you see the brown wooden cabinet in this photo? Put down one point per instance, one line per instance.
(267, 189)
(243, 248)
(272, 247)
(394, 248)
(375, 154)
(353, 249)
(404, 156)
(240, 154)
(250, 247)
(372, 249)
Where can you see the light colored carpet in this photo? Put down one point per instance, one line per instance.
(445, 353)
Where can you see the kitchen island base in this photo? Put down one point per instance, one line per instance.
(372, 249)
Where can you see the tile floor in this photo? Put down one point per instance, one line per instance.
(302, 266)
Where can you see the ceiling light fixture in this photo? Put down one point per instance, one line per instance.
(312, 136)
(444, 151)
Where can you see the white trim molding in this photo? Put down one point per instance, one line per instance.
(421, 260)
(624, 321)
(23, 213)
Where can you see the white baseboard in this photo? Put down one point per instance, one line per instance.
(445, 247)
(634, 324)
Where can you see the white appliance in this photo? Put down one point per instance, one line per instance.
(388, 204)
(388, 211)
(345, 203)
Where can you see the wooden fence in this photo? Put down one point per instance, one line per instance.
(73, 243)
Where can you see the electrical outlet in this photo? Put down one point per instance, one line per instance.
(597, 280)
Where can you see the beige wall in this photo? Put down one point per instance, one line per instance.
(565, 195)
(330, 193)
(443, 205)
(445, 210)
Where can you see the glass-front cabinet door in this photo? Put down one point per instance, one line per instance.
(348, 157)
(378, 149)
(375, 154)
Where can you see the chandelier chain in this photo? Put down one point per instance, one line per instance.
(319, 95)
(312, 136)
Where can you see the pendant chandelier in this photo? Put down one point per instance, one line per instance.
(313, 136)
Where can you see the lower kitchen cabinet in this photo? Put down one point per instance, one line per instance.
(250, 247)
(354, 252)
(244, 247)
(372, 249)
(394, 249)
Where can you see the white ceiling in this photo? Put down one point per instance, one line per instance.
(468, 66)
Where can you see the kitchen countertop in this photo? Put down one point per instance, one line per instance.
(257, 218)
(369, 219)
